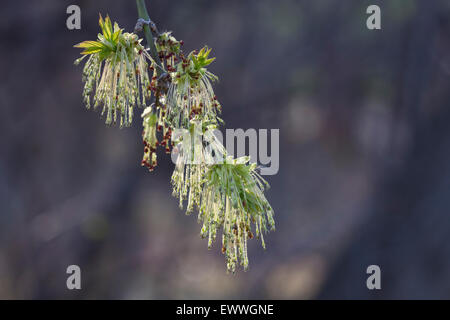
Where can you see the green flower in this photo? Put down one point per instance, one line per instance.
(194, 148)
(117, 70)
(190, 94)
(153, 121)
(227, 192)
(232, 198)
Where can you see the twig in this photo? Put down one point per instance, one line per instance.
(148, 27)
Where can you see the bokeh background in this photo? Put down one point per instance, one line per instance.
(364, 154)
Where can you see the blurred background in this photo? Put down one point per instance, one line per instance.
(364, 154)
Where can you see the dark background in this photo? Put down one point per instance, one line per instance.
(364, 154)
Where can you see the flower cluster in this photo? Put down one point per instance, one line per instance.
(227, 192)
(117, 70)
(196, 149)
(154, 120)
(232, 198)
(191, 95)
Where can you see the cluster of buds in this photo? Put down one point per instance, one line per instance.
(152, 87)
(168, 49)
(166, 138)
(117, 70)
(149, 123)
(153, 121)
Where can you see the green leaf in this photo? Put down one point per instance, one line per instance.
(89, 44)
(117, 32)
(91, 50)
(208, 61)
(108, 29)
(101, 22)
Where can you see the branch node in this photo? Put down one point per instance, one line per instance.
(140, 26)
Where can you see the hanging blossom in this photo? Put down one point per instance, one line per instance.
(195, 149)
(227, 192)
(233, 198)
(153, 121)
(190, 94)
(117, 70)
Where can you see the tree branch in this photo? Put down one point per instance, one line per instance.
(143, 14)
